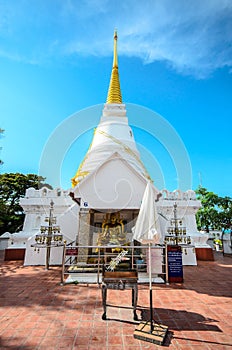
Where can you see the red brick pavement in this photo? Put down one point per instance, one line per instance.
(38, 313)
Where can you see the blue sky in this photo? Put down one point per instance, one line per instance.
(175, 58)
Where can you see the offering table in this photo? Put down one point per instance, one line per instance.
(120, 280)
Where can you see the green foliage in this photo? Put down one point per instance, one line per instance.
(1, 132)
(216, 211)
(12, 187)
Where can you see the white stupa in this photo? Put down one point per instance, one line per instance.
(110, 179)
(113, 134)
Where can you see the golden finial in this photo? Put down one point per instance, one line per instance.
(115, 61)
(114, 92)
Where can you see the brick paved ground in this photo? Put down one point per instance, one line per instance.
(37, 313)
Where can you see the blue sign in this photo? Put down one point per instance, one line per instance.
(175, 266)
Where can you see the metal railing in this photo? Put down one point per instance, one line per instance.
(91, 259)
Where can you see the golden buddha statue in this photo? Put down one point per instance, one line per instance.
(112, 231)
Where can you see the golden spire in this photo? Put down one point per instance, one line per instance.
(114, 92)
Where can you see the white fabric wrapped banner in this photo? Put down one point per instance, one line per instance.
(146, 227)
(146, 231)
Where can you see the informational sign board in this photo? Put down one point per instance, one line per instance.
(71, 251)
(156, 261)
(175, 266)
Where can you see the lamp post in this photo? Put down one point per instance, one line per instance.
(176, 231)
(176, 228)
(49, 237)
(50, 230)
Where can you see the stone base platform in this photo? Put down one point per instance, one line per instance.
(205, 254)
(14, 254)
(157, 336)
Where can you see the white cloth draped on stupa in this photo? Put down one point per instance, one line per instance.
(113, 134)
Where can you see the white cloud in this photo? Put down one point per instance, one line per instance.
(194, 37)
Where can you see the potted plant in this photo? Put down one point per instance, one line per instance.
(217, 244)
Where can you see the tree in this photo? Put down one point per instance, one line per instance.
(216, 211)
(12, 187)
(1, 132)
(225, 214)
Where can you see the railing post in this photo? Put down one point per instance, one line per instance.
(132, 257)
(166, 264)
(63, 263)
